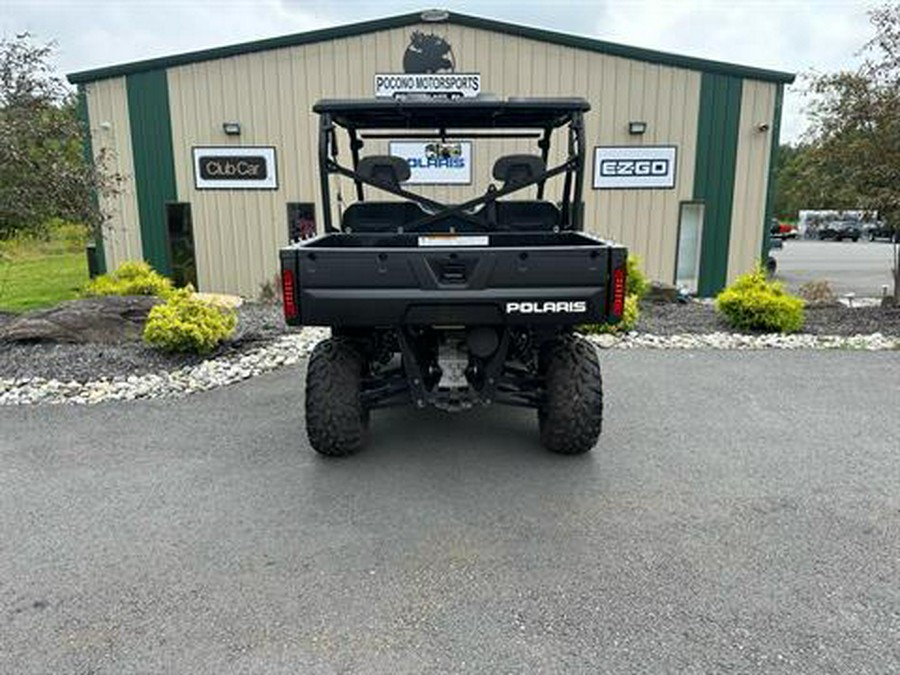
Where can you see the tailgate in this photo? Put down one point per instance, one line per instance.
(382, 286)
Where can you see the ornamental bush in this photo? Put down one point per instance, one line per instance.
(635, 282)
(185, 324)
(753, 302)
(133, 277)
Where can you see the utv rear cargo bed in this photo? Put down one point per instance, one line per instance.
(484, 278)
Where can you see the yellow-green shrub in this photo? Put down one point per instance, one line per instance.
(186, 324)
(753, 302)
(635, 282)
(630, 315)
(133, 277)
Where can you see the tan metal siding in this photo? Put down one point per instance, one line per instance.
(111, 134)
(237, 233)
(751, 176)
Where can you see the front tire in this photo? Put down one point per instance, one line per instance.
(336, 420)
(571, 416)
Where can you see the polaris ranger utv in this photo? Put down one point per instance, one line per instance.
(453, 305)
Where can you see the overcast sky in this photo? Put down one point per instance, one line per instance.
(791, 35)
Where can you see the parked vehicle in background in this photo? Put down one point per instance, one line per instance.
(809, 222)
(771, 262)
(780, 230)
(840, 230)
(881, 230)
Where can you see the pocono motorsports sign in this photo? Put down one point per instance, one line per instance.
(391, 85)
(637, 166)
(235, 168)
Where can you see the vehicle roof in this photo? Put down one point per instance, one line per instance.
(477, 113)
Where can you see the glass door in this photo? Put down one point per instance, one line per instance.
(690, 236)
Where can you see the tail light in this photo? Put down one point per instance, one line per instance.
(618, 296)
(291, 310)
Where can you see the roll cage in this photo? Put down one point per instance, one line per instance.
(446, 119)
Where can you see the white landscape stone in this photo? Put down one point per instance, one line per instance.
(289, 349)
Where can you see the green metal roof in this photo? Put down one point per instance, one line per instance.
(403, 20)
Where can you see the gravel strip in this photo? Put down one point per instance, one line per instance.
(214, 372)
(742, 341)
(91, 373)
(288, 349)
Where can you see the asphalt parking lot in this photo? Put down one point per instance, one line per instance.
(861, 267)
(742, 514)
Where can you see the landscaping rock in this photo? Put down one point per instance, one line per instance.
(661, 292)
(105, 320)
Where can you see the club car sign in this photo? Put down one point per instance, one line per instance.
(434, 162)
(235, 168)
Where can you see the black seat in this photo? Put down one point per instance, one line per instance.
(527, 215)
(514, 169)
(381, 216)
(384, 169)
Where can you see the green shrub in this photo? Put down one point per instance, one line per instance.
(753, 302)
(636, 283)
(133, 277)
(630, 316)
(185, 324)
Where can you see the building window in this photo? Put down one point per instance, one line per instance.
(687, 255)
(301, 218)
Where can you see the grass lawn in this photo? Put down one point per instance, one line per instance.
(41, 273)
(41, 282)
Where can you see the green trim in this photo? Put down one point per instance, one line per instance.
(717, 141)
(154, 161)
(773, 160)
(87, 149)
(404, 20)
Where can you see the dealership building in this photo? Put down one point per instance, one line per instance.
(218, 148)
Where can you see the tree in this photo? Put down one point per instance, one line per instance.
(44, 173)
(854, 138)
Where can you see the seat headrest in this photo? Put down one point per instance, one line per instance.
(384, 168)
(518, 168)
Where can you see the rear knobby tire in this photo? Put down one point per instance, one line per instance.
(336, 420)
(571, 415)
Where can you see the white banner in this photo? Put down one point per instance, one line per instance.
(634, 166)
(389, 85)
(235, 167)
(436, 162)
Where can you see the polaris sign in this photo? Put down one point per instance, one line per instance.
(436, 162)
(548, 307)
(634, 167)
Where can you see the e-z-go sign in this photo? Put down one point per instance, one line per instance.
(235, 168)
(636, 166)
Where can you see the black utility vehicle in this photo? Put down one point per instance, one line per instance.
(453, 305)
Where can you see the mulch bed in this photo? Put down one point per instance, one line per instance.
(695, 317)
(257, 323)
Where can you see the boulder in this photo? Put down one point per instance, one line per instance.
(107, 319)
(661, 292)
